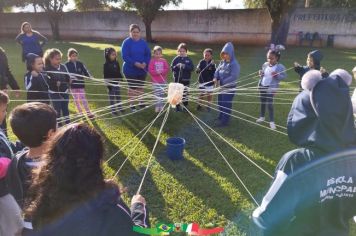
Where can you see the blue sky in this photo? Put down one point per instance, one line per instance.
(185, 5)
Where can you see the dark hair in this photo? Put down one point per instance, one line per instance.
(49, 54)
(31, 122)
(184, 46)
(72, 51)
(30, 60)
(134, 26)
(276, 53)
(72, 174)
(209, 50)
(4, 98)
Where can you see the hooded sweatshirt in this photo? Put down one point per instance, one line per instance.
(320, 122)
(6, 77)
(317, 57)
(228, 71)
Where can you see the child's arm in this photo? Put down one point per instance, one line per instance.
(234, 74)
(119, 69)
(174, 65)
(165, 68)
(280, 72)
(85, 71)
(199, 69)
(11, 80)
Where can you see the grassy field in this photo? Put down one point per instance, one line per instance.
(201, 188)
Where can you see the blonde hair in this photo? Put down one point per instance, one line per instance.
(49, 54)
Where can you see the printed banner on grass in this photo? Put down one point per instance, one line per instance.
(166, 229)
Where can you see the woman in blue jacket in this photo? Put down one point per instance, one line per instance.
(136, 56)
(226, 74)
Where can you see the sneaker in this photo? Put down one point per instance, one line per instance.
(260, 120)
(272, 125)
(133, 108)
(91, 116)
(142, 105)
(199, 108)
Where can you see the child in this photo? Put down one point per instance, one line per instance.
(158, 69)
(81, 201)
(11, 222)
(77, 83)
(271, 74)
(6, 80)
(112, 75)
(58, 83)
(313, 62)
(10, 214)
(206, 70)
(32, 123)
(35, 82)
(182, 67)
(226, 74)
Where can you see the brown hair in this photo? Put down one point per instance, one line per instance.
(72, 174)
(23, 25)
(32, 121)
(134, 26)
(183, 45)
(71, 51)
(209, 50)
(49, 54)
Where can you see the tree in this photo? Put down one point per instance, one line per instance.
(85, 5)
(147, 10)
(333, 3)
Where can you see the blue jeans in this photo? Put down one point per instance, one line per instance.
(225, 105)
(60, 102)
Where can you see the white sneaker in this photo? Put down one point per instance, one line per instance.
(260, 120)
(272, 125)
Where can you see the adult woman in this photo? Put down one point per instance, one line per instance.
(31, 41)
(136, 56)
(70, 195)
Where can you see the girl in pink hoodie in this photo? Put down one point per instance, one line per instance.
(159, 69)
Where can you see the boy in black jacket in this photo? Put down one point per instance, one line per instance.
(206, 70)
(112, 76)
(77, 84)
(182, 67)
(33, 123)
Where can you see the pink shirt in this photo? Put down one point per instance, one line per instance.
(158, 69)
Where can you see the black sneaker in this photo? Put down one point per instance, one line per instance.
(133, 108)
(142, 106)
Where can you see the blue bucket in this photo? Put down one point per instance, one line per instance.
(175, 148)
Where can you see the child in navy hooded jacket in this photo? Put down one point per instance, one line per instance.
(182, 67)
(226, 74)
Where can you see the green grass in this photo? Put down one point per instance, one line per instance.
(201, 188)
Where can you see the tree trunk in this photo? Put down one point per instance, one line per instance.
(148, 31)
(54, 22)
(280, 29)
